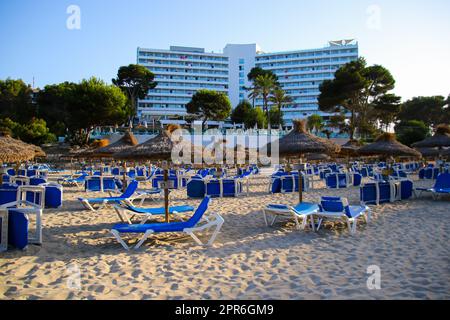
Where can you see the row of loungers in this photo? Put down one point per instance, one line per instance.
(334, 208)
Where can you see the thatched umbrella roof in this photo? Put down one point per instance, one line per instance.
(13, 150)
(88, 152)
(127, 141)
(299, 141)
(433, 152)
(386, 145)
(350, 149)
(440, 139)
(317, 157)
(39, 153)
(428, 152)
(157, 148)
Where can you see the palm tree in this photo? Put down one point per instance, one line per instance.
(263, 87)
(280, 98)
(253, 95)
(315, 123)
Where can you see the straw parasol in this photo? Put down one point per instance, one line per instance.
(428, 152)
(317, 157)
(127, 141)
(157, 148)
(350, 148)
(440, 139)
(386, 145)
(299, 141)
(13, 150)
(39, 152)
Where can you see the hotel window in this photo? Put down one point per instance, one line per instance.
(241, 61)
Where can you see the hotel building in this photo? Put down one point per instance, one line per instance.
(181, 71)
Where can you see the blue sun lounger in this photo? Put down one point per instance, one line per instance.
(78, 181)
(198, 222)
(126, 197)
(336, 208)
(441, 186)
(124, 207)
(302, 212)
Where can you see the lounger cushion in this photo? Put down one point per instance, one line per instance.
(166, 227)
(161, 210)
(156, 227)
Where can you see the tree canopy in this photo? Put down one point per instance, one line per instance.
(249, 116)
(411, 131)
(135, 81)
(15, 100)
(35, 131)
(78, 107)
(357, 88)
(258, 71)
(209, 105)
(431, 110)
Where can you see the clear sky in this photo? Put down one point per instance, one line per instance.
(409, 37)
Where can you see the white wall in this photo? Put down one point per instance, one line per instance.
(234, 53)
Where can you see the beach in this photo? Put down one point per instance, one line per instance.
(80, 259)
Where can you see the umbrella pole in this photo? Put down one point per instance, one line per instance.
(300, 183)
(124, 181)
(441, 163)
(166, 193)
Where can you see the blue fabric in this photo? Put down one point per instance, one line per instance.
(160, 210)
(131, 189)
(278, 206)
(53, 196)
(354, 211)
(93, 184)
(17, 229)
(275, 185)
(385, 192)
(196, 188)
(443, 181)
(357, 179)
(229, 187)
(8, 193)
(368, 193)
(288, 184)
(109, 184)
(166, 227)
(331, 204)
(158, 178)
(213, 188)
(37, 181)
(406, 189)
(306, 208)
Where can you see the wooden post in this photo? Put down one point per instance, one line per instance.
(166, 191)
(1, 173)
(300, 183)
(124, 179)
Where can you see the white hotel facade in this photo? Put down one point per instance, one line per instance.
(181, 71)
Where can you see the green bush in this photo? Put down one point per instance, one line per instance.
(411, 131)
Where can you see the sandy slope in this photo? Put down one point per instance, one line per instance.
(408, 240)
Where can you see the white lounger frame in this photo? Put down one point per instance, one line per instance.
(291, 212)
(351, 222)
(216, 223)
